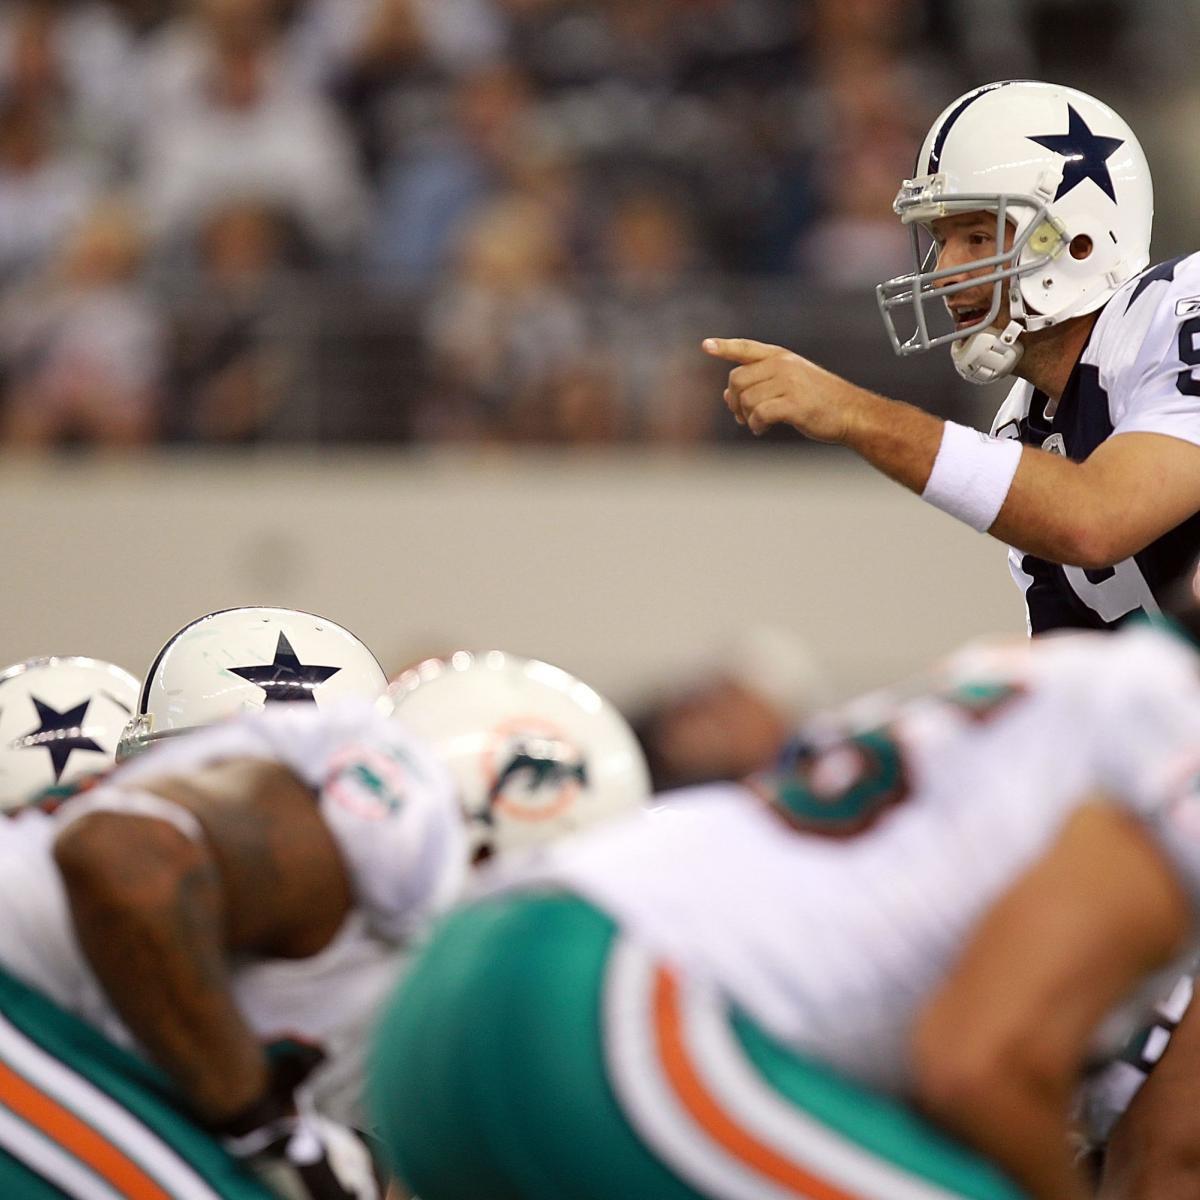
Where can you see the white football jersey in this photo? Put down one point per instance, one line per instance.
(1138, 373)
(830, 899)
(393, 811)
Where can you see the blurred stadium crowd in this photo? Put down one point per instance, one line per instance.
(242, 221)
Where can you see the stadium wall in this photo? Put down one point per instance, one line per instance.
(627, 568)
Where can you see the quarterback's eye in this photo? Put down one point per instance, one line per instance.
(979, 238)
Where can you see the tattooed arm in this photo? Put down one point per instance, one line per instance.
(158, 915)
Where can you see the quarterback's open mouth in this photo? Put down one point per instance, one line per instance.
(964, 317)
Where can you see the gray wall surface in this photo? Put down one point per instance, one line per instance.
(627, 569)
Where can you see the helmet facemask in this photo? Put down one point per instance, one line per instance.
(1038, 236)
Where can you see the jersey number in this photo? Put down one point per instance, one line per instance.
(842, 789)
(1123, 590)
(1189, 353)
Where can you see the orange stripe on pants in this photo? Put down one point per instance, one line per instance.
(65, 1129)
(706, 1110)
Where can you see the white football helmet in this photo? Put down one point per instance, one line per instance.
(1055, 164)
(60, 719)
(535, 752)
(241, 659)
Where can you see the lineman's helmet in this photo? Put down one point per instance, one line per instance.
(60, 719)
(1055, 164)
(242, 659)
(535, 752)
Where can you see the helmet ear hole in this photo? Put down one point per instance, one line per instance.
(1081, 247)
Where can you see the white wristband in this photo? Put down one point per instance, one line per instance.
(972, 474)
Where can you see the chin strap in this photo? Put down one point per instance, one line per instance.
(988, 355)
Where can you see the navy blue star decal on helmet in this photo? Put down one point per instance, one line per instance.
(1087, 155)
(59, 733)
(286, 678)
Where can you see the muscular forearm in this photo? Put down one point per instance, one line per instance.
(1154, 1150)
(147, 909)
(895, 438)
(1089, 514)
(1050, 511)
(1022, 1126)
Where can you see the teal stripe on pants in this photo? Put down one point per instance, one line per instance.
(488, 1078)
(145, 1092)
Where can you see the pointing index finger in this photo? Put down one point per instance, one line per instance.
(739, 350)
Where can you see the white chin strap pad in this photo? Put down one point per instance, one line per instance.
(988, 355)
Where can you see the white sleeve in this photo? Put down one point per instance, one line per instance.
(1159, 392)
(394, 812)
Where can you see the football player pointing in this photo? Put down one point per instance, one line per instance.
(1034, 202)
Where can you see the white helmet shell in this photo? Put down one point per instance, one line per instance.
(242, 659)
(1054, 164)
(535, 752)
(60, 719)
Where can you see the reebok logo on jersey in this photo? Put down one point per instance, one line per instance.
(1055, 444)
(1187, 307)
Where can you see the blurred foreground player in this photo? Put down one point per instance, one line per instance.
(60, 720)
(192, 950)
(940, 899)
(1036, 202)
(1151, 1093)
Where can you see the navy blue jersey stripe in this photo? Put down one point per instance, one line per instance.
(1164, 271)
(935, 155)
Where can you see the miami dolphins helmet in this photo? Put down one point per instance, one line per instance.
(60, 719)
(1069, 177)
(242, 659)
(535, 752)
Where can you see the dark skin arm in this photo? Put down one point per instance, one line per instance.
(158, 915)
(998, 1050)
(1154, 1151)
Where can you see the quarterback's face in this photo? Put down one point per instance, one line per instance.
(963, 239)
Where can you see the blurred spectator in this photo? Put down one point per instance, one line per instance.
(432, 184)
(333, 37)
(737, 712)
(43, 190)
(232, 371)
(352, 168)
(76, 63)
(231, 125)
(875, 120)
(504, 330)
(649, 314)
(82, 348)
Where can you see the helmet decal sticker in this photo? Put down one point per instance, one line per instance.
(535, 773)
(1086, 155)
(59, 733)
(286, 679)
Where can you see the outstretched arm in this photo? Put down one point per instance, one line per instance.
(1130, 491)
(159, 912)
(998, 1050)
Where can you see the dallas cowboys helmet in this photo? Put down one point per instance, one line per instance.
(535, 752)
(242, 659)
(60, 719)
(1069, 176)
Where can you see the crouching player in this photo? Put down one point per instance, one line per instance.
(192, 950)
(873, 973)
